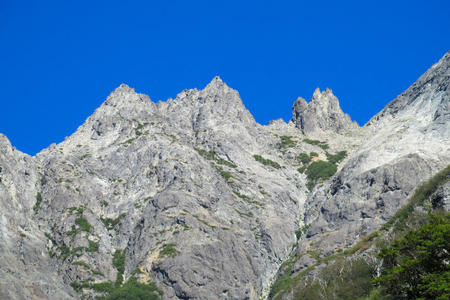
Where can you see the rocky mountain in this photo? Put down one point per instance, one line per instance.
(194, 199)
(322, 113)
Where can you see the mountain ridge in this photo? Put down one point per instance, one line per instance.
(202, 199)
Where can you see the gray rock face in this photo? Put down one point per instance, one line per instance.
(405, 144)
(26, 272)
(146, 176)
(201, 199)
(441, 198)
(322, 113)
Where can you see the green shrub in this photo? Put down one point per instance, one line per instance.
(299, 233)
(111, 223)
(169, 250)
(93, 246)
(206, 154)
(225, 174)
(221, 161)
(321, 144)
(119, 263)
(77, 210)
(336, 158)
(313, 154)
(79, 286)
(241, 195)
(284, 282)
(210, 155)
(243, 214)
(353, 282)
(416, 265)
(301, 170)
(319, 170)
(286, 142)
(266, 161)
(131, 290)
(312, 142)
(134, 290)
(97, 272)
(81, 263)
(119, 260)
(83, 224)
(37, 205)
(304, 158)
(103, 287)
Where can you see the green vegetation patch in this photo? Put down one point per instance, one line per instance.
(134, 290)
(225, 174)
(37, 205)
(319, 170)
(336, 158)
(76, 210)
(130, 290)
(266, 161)
(286, 142)
(353, 282)
(243, 214)
(111, 223)
(247, 199)
(139, 127)
(416, 265)
(210, 155)
(202, 221)
(82, 263)
(93, 246)
(302, 170)
(119, 263)
(304, 158)
(128, 142)
(313, 154)
(321, 144)
(83, 224)
(301, 231)
(169, 250)
(422, 193)
(222, 161)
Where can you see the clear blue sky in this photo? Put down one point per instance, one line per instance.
(59, 60)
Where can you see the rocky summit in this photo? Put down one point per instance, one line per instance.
(191, 198)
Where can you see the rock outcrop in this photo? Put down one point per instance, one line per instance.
(322, 113)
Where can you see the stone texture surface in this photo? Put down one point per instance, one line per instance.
(183, 173)
(405, 144)
(322, 113)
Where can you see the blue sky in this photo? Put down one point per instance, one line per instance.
(59, 60)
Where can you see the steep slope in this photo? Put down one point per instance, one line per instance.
(176, 186)
(195, 196)
(26, 272)
(404, 145)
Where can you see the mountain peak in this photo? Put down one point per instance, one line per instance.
(123, 88)
(322, 113)
(428, 96)
(216, 83)
(124, 95)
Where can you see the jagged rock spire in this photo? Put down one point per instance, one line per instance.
(322, 113)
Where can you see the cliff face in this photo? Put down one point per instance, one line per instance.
(200, 198)
(322, 113)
